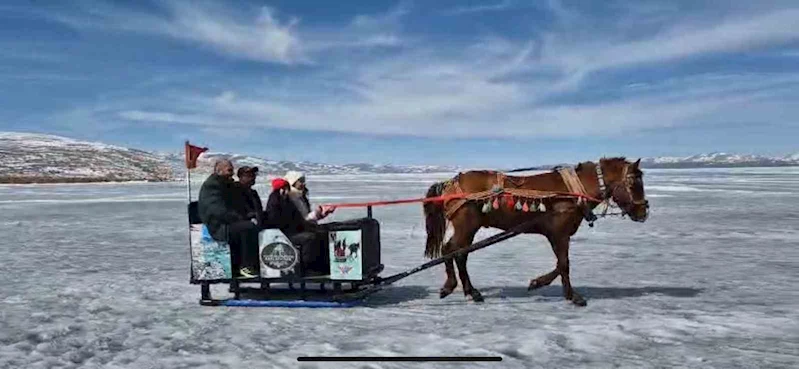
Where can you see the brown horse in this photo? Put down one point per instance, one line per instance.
(612, 179)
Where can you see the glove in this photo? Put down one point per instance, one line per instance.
(327, 210)
(324, 211)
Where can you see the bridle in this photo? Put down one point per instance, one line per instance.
(627, 182)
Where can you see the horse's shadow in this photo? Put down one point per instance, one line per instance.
(400, 294)
(591, 292)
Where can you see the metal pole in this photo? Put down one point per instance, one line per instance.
(188, 216)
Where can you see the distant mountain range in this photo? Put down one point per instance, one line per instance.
(711, 160)
(720, 160)
(273, 167)
(39, 158)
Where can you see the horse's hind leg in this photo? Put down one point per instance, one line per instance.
(449, 265)
(460, 240)
(468, 290)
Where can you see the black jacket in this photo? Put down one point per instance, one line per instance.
(216, 206)
(281, 213)
(248, 202)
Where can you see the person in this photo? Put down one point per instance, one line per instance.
(249, 202)
(299, 195)
(282, 213)
(216, 208)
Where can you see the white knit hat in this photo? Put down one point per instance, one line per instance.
(293, 176)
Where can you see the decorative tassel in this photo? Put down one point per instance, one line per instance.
(486, 206)
(580, 201)
(496, 203)
(541, 207)
(510, 202)
(518, 205)
(525, 208)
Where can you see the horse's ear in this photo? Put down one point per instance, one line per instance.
(636, 164)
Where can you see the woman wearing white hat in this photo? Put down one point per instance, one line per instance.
(299, 195)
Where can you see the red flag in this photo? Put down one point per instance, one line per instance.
(192, 153)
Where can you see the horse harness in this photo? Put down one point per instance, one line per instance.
(573, 183)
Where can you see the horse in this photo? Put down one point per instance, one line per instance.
(613, 179)
(354, 249)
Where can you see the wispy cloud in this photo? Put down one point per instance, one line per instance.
(257, 34)
(585, 75)
(499, 6)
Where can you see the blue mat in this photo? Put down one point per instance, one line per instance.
(296, 303)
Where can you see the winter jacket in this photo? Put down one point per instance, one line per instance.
(282, 213)
(247, 201)
(300, 200)
(216, 206)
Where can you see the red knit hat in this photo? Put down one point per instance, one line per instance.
(279, 183)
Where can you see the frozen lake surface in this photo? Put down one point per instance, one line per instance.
(96, 276)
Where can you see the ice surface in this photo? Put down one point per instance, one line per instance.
(96, 276)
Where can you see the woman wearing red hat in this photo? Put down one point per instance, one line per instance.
(282, 213)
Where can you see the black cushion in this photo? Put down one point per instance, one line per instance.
(194, 213)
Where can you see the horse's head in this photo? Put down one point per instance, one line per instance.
(624, 184)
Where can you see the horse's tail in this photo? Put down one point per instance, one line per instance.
(435, 221)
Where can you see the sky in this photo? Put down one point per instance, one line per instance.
(495, 83)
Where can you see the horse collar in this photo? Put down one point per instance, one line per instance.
(601, 178)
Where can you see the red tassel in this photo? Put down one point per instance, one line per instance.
(510, 202)
(496, 203)
(525, 208)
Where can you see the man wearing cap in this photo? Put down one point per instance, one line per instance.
(217, 210)
(249, 203)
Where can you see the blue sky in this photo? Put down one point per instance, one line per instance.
(496, 83)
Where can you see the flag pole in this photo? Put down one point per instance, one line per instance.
(188, 175)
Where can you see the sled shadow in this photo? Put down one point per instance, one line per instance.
(590, 292)
(399, 294)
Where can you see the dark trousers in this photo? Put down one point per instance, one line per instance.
(243, 240)
(314, 250)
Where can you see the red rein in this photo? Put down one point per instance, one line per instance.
(441, 199)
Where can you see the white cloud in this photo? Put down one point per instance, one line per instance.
(490, 86)
(249, 33)
(502, 5)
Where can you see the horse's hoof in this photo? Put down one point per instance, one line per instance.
(534, 284)
(475, 296)
(444, 292)
(579, 301)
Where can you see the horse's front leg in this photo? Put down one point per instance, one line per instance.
(561, 247)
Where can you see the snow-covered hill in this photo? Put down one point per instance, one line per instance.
(719, 160)
(26, 158)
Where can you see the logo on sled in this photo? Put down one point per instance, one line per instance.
(280, 256)
(345, 269)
